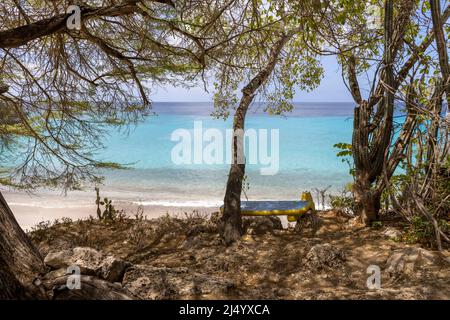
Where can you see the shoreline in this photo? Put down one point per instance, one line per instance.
(32, 209)
(29, 216)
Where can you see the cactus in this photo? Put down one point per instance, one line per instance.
(97, 202)
(109, 213)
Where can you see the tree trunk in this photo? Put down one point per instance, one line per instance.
(231, 218)
(369, 161)
(367, 201)
(10, 287)
(441, 44)
(372, 134)
(20, 261)
(231, 224)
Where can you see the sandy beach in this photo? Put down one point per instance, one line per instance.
(31, 209)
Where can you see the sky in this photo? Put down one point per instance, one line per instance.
(331, 89)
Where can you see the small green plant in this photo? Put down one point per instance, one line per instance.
(66, 220)
(420, 230)
(377, 225)
(139, 215)
(40, 231)
(140, 234)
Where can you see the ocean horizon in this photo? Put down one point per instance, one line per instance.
(307, 158)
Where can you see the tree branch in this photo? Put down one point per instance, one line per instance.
(20, 36)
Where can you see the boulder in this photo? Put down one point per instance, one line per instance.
(261, 225)
(58, 259)
(392, 233)
(112, 269)
(90, 262)
(322, 256)
(407, 260)
(157, 283)
(55, 274)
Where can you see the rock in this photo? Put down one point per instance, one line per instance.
(392, 233)
(446, 255)
(192, 243)
(91, 288)
(323, 256)
(207, 227)
(261, 225)
(281, 292)
(157, 283)
(58, 259)
(112, 269)
(55, 274)
(308, 221)
(87, 259)
(90, 262)
(247, 238)
(407, 260)
(354, 223)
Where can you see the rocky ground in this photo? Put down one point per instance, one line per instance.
(325, 257)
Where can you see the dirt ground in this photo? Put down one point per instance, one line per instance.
(326, 258)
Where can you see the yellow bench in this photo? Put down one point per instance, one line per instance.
(291, 209)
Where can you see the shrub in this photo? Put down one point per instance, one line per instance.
(421, 230)
(344, 201)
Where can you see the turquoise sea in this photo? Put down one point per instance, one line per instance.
(307, 159)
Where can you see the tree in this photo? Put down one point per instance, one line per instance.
(427, 186)
(439, 36)
(231, 218)
(438, 31)
(393, 56)
(270, 61)
(375, 158)
(368, 165)
(60, 87)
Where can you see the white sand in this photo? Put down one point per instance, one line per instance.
(29, 210)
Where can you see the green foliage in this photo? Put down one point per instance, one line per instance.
(64, 91)
(396, 187)
(443, 186)
(376, 225)
(298, 67)
(400, 183)
(295, 73)
(420, 230)
(109, 165)
(346, 155)
(39, 231)
(346, 149)
(9, 182)
(344, 201)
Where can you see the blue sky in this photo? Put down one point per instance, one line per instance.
(331, 89)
